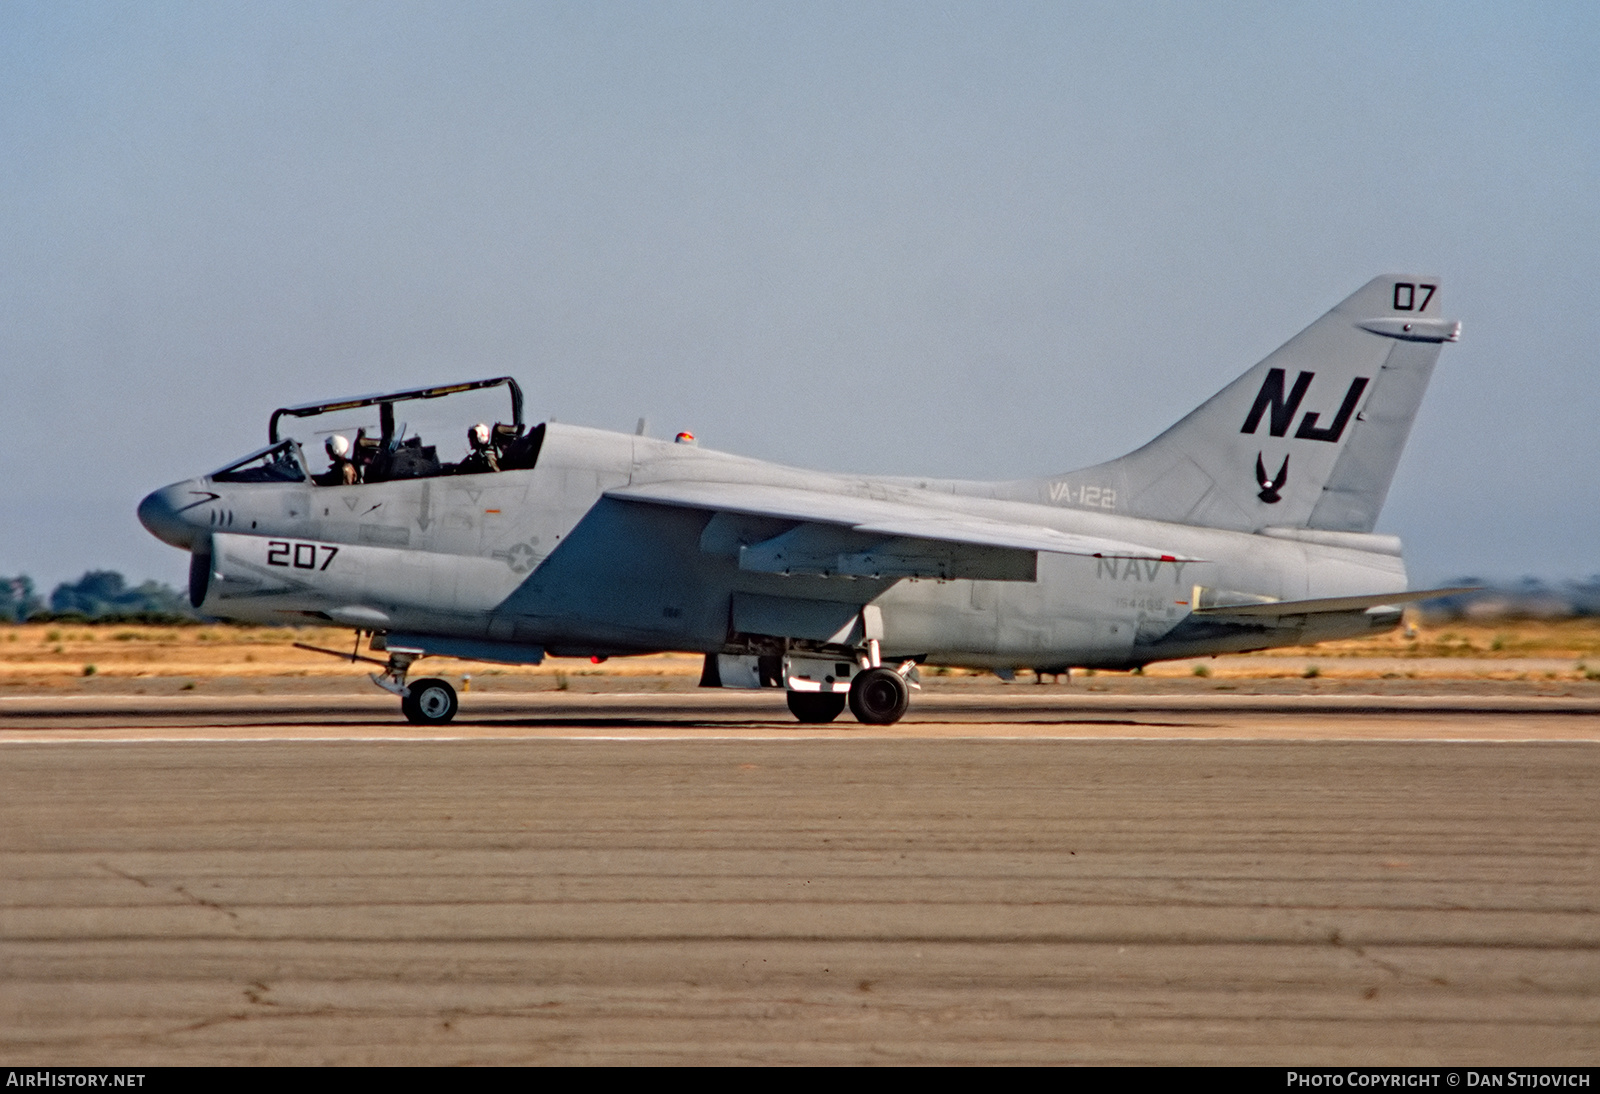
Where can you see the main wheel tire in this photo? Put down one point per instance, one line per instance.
(879, 697)
(432, 702)
(816, 706)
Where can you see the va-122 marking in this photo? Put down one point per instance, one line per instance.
(1092, 497)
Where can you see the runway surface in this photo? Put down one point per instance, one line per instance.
(1045, 713)
(636, 878)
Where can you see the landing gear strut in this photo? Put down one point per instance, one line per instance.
(393, 677)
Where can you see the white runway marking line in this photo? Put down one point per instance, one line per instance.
(45, 738)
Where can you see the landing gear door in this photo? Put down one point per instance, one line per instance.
(824, 675)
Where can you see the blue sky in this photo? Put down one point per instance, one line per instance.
(984, 240)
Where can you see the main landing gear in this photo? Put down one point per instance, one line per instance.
(876, 694)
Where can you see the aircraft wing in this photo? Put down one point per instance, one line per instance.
(1279, 608)
(866, 537)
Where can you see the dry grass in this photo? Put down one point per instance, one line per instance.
(55, 655)
(1506, 639)
(1505, 650)
(67, 655)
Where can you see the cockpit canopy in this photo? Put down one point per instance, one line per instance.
(281, 462)
(381, 451)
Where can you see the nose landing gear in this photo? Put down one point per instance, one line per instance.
(428, 702)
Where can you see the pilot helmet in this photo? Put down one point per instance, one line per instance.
(479, 435)
(338, 446)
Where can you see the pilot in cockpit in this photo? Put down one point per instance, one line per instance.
(482, 457)
(341, 468)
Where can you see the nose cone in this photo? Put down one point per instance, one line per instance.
(164, 513)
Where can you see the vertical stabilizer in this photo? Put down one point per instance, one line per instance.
(1308, 438)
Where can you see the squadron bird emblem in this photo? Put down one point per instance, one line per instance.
(1271, 489)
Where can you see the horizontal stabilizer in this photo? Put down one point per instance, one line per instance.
(1278, 608)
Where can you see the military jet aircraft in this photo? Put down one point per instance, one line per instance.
(1246, 525)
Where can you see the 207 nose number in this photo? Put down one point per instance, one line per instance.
(300, 556)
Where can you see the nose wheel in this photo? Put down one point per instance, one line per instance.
(431, 702)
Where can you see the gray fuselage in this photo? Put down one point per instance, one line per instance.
(541, 557)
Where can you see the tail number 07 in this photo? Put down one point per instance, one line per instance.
(301, 556)
(1406, 295)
